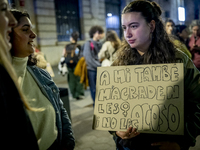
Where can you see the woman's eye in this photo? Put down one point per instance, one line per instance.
(4, 8)
(123, 28)
(25, 30)
(134, 26)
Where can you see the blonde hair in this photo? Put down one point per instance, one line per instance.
(5, 60)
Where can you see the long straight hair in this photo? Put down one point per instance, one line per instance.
(112, 36)
(5, 60)
(161, 49)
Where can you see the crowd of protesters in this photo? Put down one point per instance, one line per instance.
(30, 99)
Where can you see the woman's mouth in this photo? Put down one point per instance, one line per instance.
(131, 41)
(8, 38)
(8, 35)
(30, 43)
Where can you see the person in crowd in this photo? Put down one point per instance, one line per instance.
(181, 35)
(41, 61)
(90, 52)
(52, 126)
(73, 40)
(109, 48)
(146, 42)
(17, 131)
(71, 59)
(169, 26)
(194, 42)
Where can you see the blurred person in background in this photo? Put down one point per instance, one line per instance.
(41, 61)
(52, 126)
(71, 59)
(73, 39)
(90, 52)
(194, 42)
(181, 35)
(107, 52)
(169, 26)
(17, 131)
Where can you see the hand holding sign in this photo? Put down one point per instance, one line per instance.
(130, 133)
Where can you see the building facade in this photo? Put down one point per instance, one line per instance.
(55, 20)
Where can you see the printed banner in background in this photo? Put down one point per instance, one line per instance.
(147, 97)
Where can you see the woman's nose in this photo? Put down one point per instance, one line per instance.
(12, 20)
(33, 35)
(128, 33)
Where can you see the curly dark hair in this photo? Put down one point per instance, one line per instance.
(18, 15)
(161, 49)
(75, 36)
(94, 29)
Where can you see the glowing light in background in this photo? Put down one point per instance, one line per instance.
(109, 14)
(112, 22)
(181, 13)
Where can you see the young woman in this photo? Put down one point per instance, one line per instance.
(194, 43)
(169, 26)
(146, 42)
(17, 131)
(181, 35)
(52, 126)
(110, 46)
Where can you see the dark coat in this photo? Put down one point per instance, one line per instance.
(16, 129)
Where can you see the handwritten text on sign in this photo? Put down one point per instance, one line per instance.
(146, 97)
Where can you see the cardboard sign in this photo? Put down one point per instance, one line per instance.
(147, 97)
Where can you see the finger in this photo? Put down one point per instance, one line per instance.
(134, 134)
(129, 130)
(134, 129)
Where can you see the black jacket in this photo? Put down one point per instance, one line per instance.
(16, 128)
(191, 113)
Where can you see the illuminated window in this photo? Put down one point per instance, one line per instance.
(67, 18)
(113, 20)
(181, 13)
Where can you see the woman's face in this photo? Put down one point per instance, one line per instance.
(196, 31)
(23, 37)
(7, 22)
(169, 27)
(98, 36)
(184, 34)
(137, 32)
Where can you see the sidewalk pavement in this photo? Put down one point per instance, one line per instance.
(82, 118)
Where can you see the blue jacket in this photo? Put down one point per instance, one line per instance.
(65, 137)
